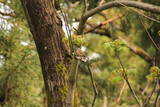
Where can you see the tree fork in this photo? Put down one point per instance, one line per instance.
(46, 28)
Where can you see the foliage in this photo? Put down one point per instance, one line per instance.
(154, 73)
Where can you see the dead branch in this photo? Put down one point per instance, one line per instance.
(104, 23)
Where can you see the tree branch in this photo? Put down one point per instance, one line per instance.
(146, 101)
(93, 83)
(135, 4)
(137, 50)
(125, 77)
(104, 22)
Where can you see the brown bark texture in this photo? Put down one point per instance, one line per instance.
(46, 28)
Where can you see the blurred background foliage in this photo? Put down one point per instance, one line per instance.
(20, 73)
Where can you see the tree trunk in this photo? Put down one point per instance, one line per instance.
(46, 28)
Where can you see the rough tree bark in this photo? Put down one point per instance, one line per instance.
(46, 28)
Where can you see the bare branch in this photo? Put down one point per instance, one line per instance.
(137, 50)
(104, 22)
(150, 95)
(157, 96)
(85, 6)
(135, 4)
(122, 90)
(125, 77)
(149, 35)
(93, 83)
(101, 2)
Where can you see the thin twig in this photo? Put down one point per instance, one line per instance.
(158, 93)
(85, 6)
(75, 78)
(124, 85)
(150, 95)
(140, 13)
(149, 35)
(101, 2)
(129, 85)
(93, 83)
(76, 73)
